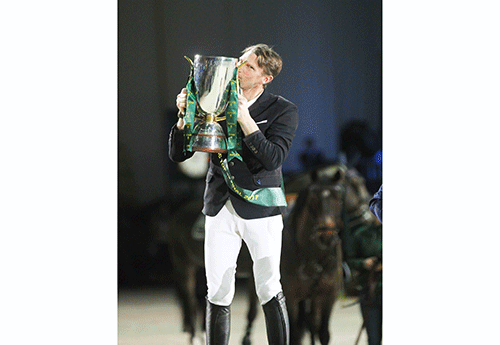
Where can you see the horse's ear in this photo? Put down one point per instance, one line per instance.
(314, 175)
(328, 174)
(339, 175)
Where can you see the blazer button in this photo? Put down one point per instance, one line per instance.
(232, 177)
(231, 164)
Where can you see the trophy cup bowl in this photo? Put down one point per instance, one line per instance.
(211, 77)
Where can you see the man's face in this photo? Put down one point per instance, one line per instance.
(250, 74)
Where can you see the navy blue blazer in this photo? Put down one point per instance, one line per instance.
(263, 154)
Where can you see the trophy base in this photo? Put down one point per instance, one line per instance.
(209, 137)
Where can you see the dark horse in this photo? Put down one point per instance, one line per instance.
(332, 203)
(311, 258)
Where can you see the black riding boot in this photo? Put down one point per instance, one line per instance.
(277, 326)
(218, 324)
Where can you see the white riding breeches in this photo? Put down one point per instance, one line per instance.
(223, 236)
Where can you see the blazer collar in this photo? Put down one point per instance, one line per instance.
(261, 104)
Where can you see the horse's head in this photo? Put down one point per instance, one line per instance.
(357, 197)
(318, 209)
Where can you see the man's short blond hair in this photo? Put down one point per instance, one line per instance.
(267, 59)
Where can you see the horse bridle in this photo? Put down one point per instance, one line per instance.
(318, 232)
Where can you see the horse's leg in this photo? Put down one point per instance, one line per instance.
(294, 318)
(312, 320)
(325, 314)
(192, 300)
(252, 310)
(201, 294)
(186, 291)
(301, 321)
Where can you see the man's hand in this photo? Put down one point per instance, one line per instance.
(370, 262)
(181, 103)
(244, 119)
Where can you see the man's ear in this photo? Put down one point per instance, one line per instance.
(268, 79)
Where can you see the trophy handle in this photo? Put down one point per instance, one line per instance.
(189, 60)
(181, 113)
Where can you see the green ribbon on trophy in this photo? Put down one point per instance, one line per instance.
(273, 196)
(189, 112)
(234, 132)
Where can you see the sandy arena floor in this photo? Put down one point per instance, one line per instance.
(153, 317)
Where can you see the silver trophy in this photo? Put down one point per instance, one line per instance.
(211, 77)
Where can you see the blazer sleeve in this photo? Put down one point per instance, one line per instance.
(272, 148)
(176, 146)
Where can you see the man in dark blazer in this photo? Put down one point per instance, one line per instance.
(268, 123)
